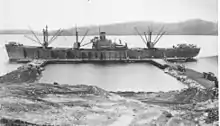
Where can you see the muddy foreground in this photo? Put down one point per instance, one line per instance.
(24, 101)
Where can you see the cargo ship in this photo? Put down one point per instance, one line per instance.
(102, 49)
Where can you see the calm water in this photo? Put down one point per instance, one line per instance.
(141, 76)
(119, 76)
(205, 64)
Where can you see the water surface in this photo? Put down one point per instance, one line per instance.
(133, 77)
(205, 64)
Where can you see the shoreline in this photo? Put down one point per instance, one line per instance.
(30, 102)
(117, 34)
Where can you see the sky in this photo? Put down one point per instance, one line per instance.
(19, 14)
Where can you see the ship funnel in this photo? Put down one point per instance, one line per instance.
(102, 35)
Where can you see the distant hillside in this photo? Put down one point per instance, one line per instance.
(14, 32)
(190, 27)
(18, 31)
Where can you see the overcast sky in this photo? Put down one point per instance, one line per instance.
(66, 13)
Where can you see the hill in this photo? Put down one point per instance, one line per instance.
(189, 27)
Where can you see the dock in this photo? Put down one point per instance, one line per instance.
(35, 63)
(198, 77)
(191, 77)
(160, 63)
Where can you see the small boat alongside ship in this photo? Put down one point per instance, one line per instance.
(102, 49)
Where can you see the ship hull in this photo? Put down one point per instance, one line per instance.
(16, 53)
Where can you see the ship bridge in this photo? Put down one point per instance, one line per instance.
(102, 42)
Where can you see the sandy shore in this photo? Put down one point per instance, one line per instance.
(24, 101)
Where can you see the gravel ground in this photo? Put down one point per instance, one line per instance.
(24, 102)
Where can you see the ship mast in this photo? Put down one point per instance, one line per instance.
(99, 30)
(45, 34)
(77, 44)
(46, 42)
(77, 39)
(148, 37)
